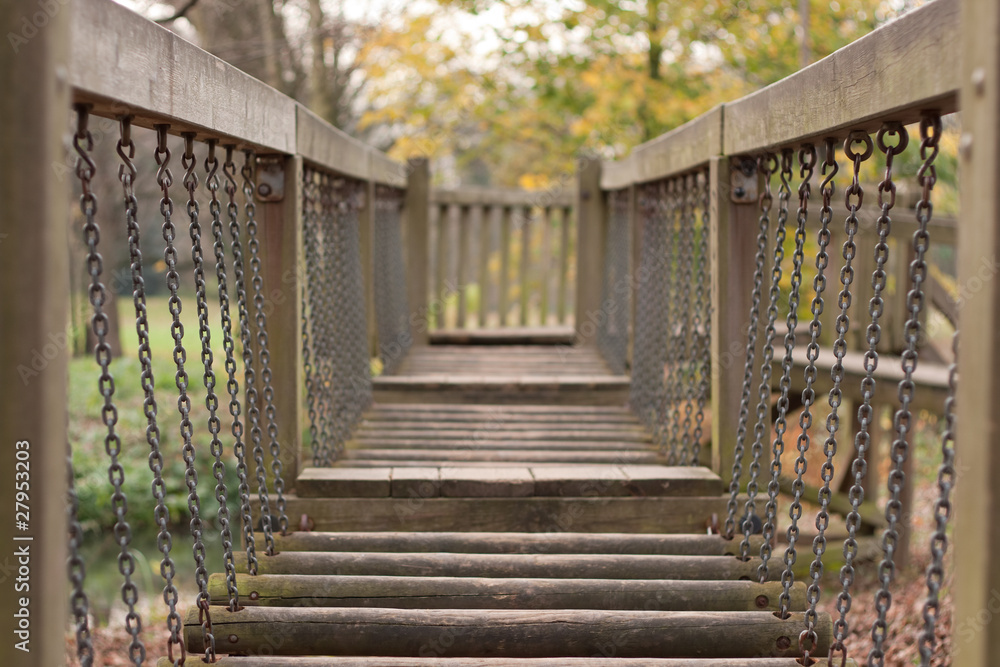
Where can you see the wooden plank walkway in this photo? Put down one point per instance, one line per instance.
(521, 531)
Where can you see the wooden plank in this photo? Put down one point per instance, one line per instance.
(546, 264)
(498, 482)
(281, 254)
(977, 533)
(523, 335)
(565, 220)
(892, 73)
(462, 281)
(441, 267)
(34, 305)
(615, 436)
(415, 214)
(483, 225)
(547, 566)
(330, 661)
(561, 390)
(498, 443)
(513, 542)
(671, 480)
(267, 590)
(392, 456)
(416, 482)
(324, 145)
(497, 425)
(485, 196)
(580, 481)
(607, 515)
(403, 632)
(505, 224)
(458, 409)
(682, 149)
(126, 64)
(344, 482)
(590, 247)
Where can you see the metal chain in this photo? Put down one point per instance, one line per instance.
(674, 315)
(807, 163)
(190, 164)
(766, 166)
(687, 379)
(767, 354)
(837, 372)
(327, 318)
(930, 132)
(390, 295)
(232, 384)
(263, 346)
(164, 179)
(785, 382)
(360, 376)
(702, 322)
(612, 335)
(249, 374)
(310, 244)
(809, 639)
(942, 514)
(76, 568)
(127, 174)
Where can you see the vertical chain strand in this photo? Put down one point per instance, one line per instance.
(702, 322)
(310, 195)
(766, 167)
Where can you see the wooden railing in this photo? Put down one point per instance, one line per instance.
(502, 258)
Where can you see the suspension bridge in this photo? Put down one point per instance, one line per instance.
(593, 433)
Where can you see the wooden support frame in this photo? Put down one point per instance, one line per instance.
(34, 305)
(977, 529)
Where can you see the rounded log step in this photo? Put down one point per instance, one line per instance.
(503, 633)
(560, 566)
(348, 661)
(514, 543)
(513, 593)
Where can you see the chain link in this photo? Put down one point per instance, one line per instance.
(673, 315)
(612, 334)
(809, 639)
(391, 310)
(840, 626)
(232, 384)
(310, 196)
(685, 266)
(930, 131)
(702, 322)
(766, 167)
(190, 164)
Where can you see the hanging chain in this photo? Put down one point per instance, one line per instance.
(249, 375)
(673, 392)
(767, 354)
(766, 166)
(190, 164)
(942, 514)
(263, 345)
(930, 132)
(127, 174)
(807, 163)
(310, 244)
(855, 191)
(232, 384)
(702, 322)
(785, 382)
(687, 378)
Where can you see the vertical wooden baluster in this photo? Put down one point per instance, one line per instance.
(526, 223)
(464, 220)
(416, 211)
(546, 262)
(484, 261)
(591, 214)
(441, 270)
(506, 213)
(565, 220)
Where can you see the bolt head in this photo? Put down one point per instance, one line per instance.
(264, 189)
(233, 639)
(740, 192)
(761, 601)
(784, 643)
(979, 80)
(254, 595)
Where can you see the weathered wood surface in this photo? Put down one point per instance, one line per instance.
(540, 515)
(558, 566)
(482, 633)
(892, 73)
(416, 230)
(686, 147)
(541, 335)
(512, 542)
(437, 592)
(591, 236)
(522, 456)
(332, 661)
(511, 481)
(484, 196)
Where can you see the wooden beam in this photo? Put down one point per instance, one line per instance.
(34, 305)
(480, 196)
(322, 144)
(977, 505)
(910, 64)
(416, 213)
(679, 150)
(591, 213)
(351, 661)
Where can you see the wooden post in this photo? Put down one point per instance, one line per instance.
(506, 215)
(590, 216)
(418, 191)
(977, 531)
(34, 306)
(732, 239)
(367, 233)
(283, 271)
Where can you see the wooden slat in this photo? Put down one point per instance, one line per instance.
(443, 222)
(608, 515)
(505, 224)
(546, 263)
(515, 593)
(481, 196)
(513, 542)
(524, 270)
(892, 73)
(480, 409)
(484, 263)
(498, 432)
(390, 456)
(564, 229)
(354, 631)
(272, 661)
(495, 482)
(510, 335)
(462, 280)
(416, 229)
(684, 148)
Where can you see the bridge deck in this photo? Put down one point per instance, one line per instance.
(500, 505)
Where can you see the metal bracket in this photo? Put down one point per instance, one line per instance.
(270, 178)
(743, 180)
